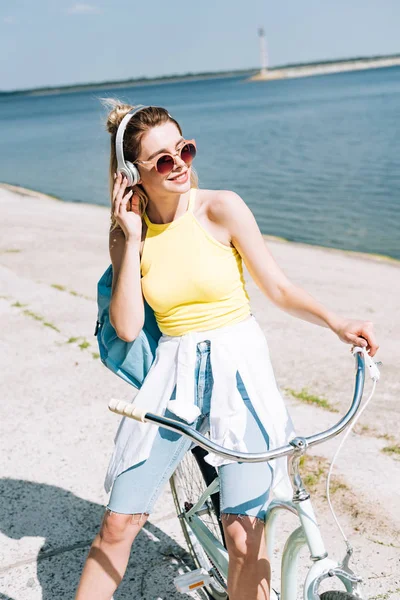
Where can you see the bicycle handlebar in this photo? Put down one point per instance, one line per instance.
(128, 409)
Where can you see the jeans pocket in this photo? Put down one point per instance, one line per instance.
(208, 386)
(203, 376)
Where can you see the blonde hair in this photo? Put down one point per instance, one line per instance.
(141, 122)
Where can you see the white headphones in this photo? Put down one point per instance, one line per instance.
(127, 168)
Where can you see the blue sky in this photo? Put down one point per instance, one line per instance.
(56, 42)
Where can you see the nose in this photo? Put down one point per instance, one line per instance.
(179, 161)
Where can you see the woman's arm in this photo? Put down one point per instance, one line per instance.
(230, 211)
(126, 306)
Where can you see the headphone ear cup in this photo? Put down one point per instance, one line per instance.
(133, 173)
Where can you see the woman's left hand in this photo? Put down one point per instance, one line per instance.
(357, 333)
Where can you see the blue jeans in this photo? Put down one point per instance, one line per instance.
(244, 487)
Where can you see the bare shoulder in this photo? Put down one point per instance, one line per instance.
(116, 250)
(116, 237)
(117, 240)
(215, 209)
(219, 204)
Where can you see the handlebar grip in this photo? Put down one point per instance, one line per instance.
(127, 409)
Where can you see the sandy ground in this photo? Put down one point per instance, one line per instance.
(56, 433)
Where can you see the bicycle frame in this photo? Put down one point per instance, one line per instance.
(308, 532)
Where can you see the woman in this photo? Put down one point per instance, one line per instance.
(181, 248)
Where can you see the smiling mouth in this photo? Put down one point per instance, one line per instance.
(181, 175)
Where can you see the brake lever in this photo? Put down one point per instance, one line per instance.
(371, 365)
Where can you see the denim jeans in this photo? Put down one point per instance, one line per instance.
(244, 487)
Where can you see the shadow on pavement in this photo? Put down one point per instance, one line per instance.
(69, 524)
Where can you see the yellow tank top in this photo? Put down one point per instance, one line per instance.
(192, 281)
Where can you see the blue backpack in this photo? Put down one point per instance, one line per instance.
(129, 360)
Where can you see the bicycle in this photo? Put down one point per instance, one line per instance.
(194, 488)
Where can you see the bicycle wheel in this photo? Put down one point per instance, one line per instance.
(188, 482)
(338, 596)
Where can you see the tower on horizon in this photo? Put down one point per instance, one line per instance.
(263, 51)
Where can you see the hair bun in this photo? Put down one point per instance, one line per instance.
(117, 111)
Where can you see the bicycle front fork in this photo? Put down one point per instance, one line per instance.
(307, 534)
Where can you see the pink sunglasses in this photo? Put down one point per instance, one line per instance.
(165, 163)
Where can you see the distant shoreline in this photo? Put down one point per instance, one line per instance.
(277, 72)
(126, 83)
(363, 255)
(326, 69)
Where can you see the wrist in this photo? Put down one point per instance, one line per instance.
(132, 241)
(334, 322)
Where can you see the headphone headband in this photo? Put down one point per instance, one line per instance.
(120, 136)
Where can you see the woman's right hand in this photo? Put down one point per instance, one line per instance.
(126, 209)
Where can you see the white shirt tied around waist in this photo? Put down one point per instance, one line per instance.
(240, 347)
